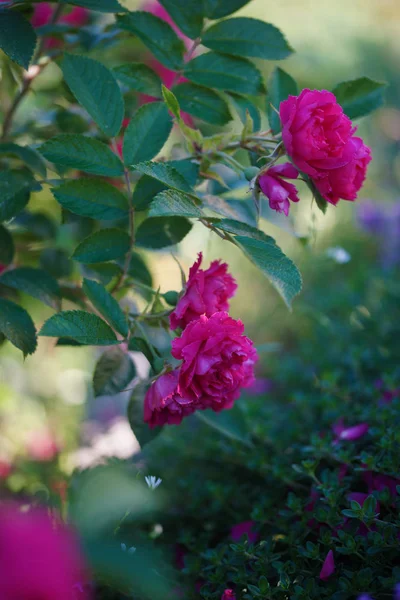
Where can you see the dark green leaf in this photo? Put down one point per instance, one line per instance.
(276, 266)
(137, 344)
(82, 153)
(225, 72)
(104, 272)
(157, 35)
(228, 422)
(106, 305)
(145, 191)
(81, 326)
(14, 194)
(30, 157)
(139, 77)
(143, 433)
(202, 103)
(187, 15)
(239, 228)
(170, 203)
(17, 37)
(244, 36)
(36, 225)
(360, 96)
(7, 248)
(147, 132)
(188, 169)
(244, 106)
(103, 245)
(161, 232)
(164, 173)
(96, 89)
(93, 198)
(34, 282)
(139, 271)
(281, 85)
(56, 262)
(107, 6)
(216, 9)
(17, 326)
(113, 372)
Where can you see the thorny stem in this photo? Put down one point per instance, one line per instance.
(29, 77)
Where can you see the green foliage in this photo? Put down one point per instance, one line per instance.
(165, 174)
(161, 232)
(216, 9)
(107, 305)
(7, 248)
(140, 78)
(81, 326)
(14, 193)
(360, 97)
(281, 85)
(113, 372)
(106, 244)
(202, 103)
(34, 282)
(17, 37)
(147, 132)
(107, 6)
(230, 423)
(143, 433)
(29, 157)
(17, 326)
(92, 198)
(170, 203)
(188, 15)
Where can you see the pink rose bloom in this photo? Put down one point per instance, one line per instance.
(39, 559)
(328, 567)
(218, 361)
(163, 404)
(228, 595)
(315, 131)
(206, 293)
(277, 190)
(244, 528)
(346, 181)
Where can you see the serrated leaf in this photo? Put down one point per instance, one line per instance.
(14, 194)
(161, 232)
(107, 305)
(139, 77)
(103, 245)
(157, 35)
(216, 9)
(276, 266)
(113, 372)
(31, 158)
(96, 89)
(202, 103)
(82, 153)
(244, 36)
(187, 15)
(225, 72)
(280, 86)
(7, 248)
(17, 37)
(147, 132)
(360, 96)
(171, 203)
(239, 228)
(188, 169)
(164, 173)
(243, 106)
(34, 282)
(17, 326)
(143, 433)
(81, 326)
(92, 198)
(228, 422)
(107, 6)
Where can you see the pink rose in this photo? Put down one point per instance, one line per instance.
(163, 404)
(206, 292)
(345, 182)
(328, 567)
(39, 558)
(315, 131)
(218, 360)
(277, 190)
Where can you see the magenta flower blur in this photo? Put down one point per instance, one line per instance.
(163, 404)
(40, 558)
(228, 595)
(43, 12)
(328, 567)
(206, 292)
(349, 433)
(278, 191)
(246, 528)
(218, 361)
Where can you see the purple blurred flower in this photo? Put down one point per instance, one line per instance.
(244, 528)
(328, 567)
(349, 433)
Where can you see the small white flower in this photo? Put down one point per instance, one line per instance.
(338, 254)
(152, 481)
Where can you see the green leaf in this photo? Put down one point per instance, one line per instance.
(143, 433)
(107, 305)
(160, 232)
(107, 6)
(140, 78)
(216, 9)
(82, 153)
(244, 36)
(56, 262)
(244, 106)
(147, 132)
(137, 344)
(93, 198)
(17, 37)
(170, 203)
(228, 422)
(7, 248)
(157, 35)
(239, 228)
(139, 271)
(81, 326)
(17, 326)
(103, 245)
(164, 173)
(14, 194)
(113, 372)
(188, 169)
(360, 96)
(202, 103)
(225, 72)
(281, 85)
(276, 266)
(34, 282)
(31, 158)
(171, 102)
(187, 15)
(96, 89)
